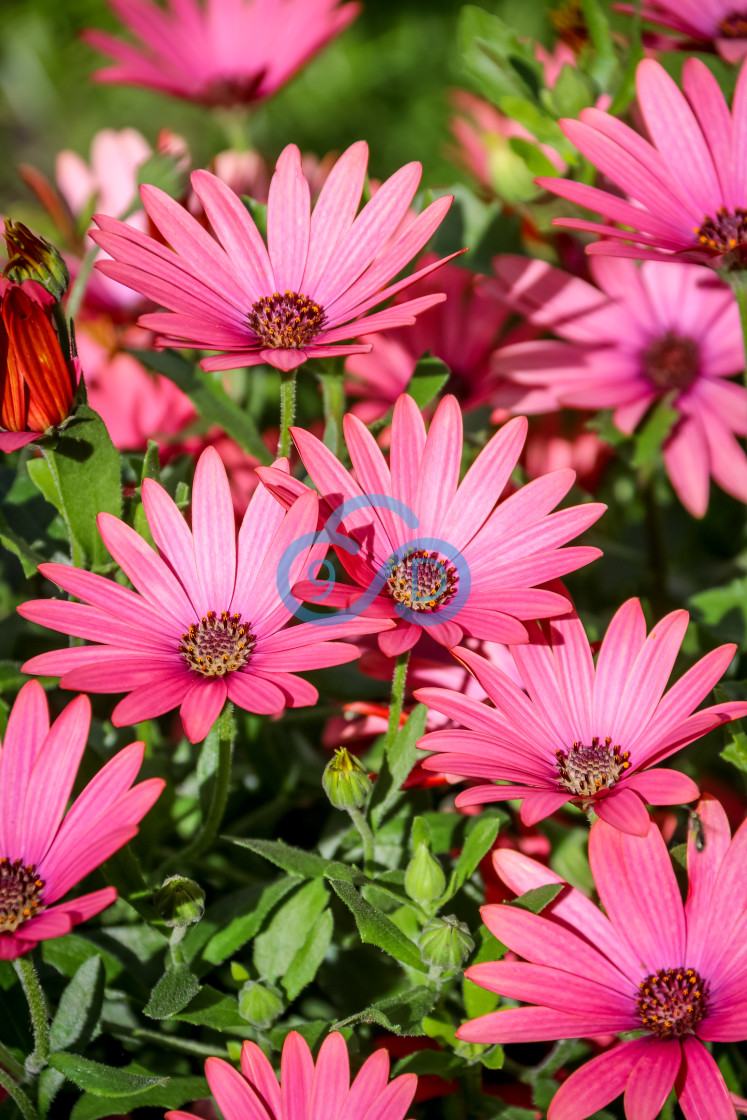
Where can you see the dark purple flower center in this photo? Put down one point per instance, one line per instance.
(569, 24)
(725, 231)
(286, 320)
(672, 1002)
(585, 770)
(672, 362)
(422, 581)
(733, 26)
(20, 893)
(217, 644)
(231, 89)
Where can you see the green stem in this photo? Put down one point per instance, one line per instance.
(78, 287)
(170, 1041)
(222, 782)
(287, 410)
(16, 1093)
(397, 700)
(235, 125)
(9, 1062)
(737, 281)
(32, 989)
(359, 820)
(333, 404)
(657, 549)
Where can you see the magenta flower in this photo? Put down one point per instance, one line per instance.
(206, 620)
(647, 964)
(300, 297)
(580, 733)
(307, 1090)
(218, 52)
(642, 334)
(687, 194)
(43, 851)
(433, 554)
(716, 23)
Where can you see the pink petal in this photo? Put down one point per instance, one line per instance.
(288, 218)
(174, 539)
(537, 1024)
(259, 1073)
(234, 1097)
(201, 707)
(483, 483)
(254, 694)
(213, 530)
(652, 1078)
(537, 806)
(394, 1101)
(334, 211)
(663, 787)
(597, 1082)
(621, 645)
(701, 1089)
(407, 444)
(703, 864)
(151, 700)
(688, 466)
(331, 1079)
(296, 1077)
(394, 642)
(623, 809)
(237, 231)
(648, 678)
(369, 1083)
(548, 987)
(28, 725)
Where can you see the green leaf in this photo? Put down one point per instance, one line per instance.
(534, 158)
(570, 94)
(537, 899)
(211, 1008)
(232, 922)
(173, 992)
(495, 58)
(50, 1083)
(101, 1080)
(401, 1014)
(163, 171)
(151, 462)
(649, 439)
(736, 752)
(478, 1001)
(376, 929)
(209, 398)
(480, 840)
(79, 1008)
(398, 765)
(428, 379)
(68, 953)
(307, 865)
(433, 1062)
(28, 556)
(724, 609)
(275, 947)
(174, 1093)
(307, 960)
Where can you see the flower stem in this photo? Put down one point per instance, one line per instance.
(9, 1062)
(222, 781)
(32, 989)
(359, 820)
(737, 281)
(333, 403)
(397, 700)
(78, 287)
(16, 1093)
(287, 410)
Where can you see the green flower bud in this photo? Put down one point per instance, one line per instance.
(445, 942)
(424, 878)
(259, 1005)
(180, 901)
(346, 783)
(32, 258)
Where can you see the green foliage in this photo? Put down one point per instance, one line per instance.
(101, 1080)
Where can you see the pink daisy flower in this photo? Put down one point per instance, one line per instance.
(205, 622)
(308, 1090)
(218, 52)
(43, 851)
(297, 298)
(673, 973)
(687, 194)
(719, 23)
(580, 733)
(642, 334)
(434, 554)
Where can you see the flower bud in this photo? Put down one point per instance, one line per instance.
(424, 878)
(32, 258)
(445, 942)
(346, 783)
(259, 1005)
(180, 901)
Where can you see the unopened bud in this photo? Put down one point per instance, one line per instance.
(259, 1005)
(446, 942)
(180, 901)
(424, 878)
(346, 783)
(33, 258)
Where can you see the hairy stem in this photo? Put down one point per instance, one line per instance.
(221, 784)
(16, 1094)
(32, 989)
(287, 410)
(359, 820)
(397, 700)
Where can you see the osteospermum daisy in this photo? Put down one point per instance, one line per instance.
(308, 1090)
(302, 295)
(721, 24)
(686, 193)
(674, 974)
(577, 732)
(218, 52)
(432, 554)
(206, 620)
(43, 852)
(642, 334)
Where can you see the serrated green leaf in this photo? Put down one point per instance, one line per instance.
(177, 1091)
(232, 922)
(428, 379)
(307, 865)
(275, 947)
(173, 992)
(377, 929)
(480, 840)
(736, 752)
(101, 1080)
(397, 766)
(211, 1008)
(68, 953)
(307, 960)
(538, 898)
(402, 1014)
(79, 1008)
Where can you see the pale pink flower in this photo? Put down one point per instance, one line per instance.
(218, 52)
(433, 554)
(308, 1090)
(44, 852)
(719, 23)
(644, 333)
(206, 620)
(582, 733)
(323, 272)
(673, 973)
(686, 191)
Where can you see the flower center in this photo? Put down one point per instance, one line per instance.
(725, 231)
(672, 362)
(569, 24)
(422, 581)
(20, 894)
(734, 26)
(584, 770)
(217, 645)
(286, 321)
(672, 1002)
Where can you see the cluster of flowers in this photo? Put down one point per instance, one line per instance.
(473, 566)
